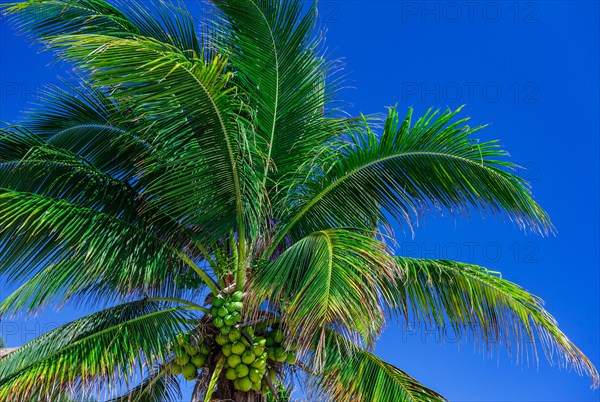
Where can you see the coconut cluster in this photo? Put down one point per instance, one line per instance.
(189, 358)
(250, 353)
(246, 363)
(226, 311)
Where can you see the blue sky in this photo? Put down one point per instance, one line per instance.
(530, 69)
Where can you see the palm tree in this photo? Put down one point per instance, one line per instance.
(200, 184)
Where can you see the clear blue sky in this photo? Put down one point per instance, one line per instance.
(530, 69)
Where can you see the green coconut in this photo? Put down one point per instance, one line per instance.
(234, 360)
(259, 363)
(219, 322)
(256, 386)
(241, 370)
(218, 301)
(190, 350)
(244, 384)
(225, 330)
(278, 336)
(198, 361)
(258, 350)
(291, 358)
(221, 339)
(255, 375)
(235, 334)
(236, 316)
(182, 359)
(230, 374)
(238, 348)
(237, 296)
(248, 357)
(176, 368)
(189, 372)
(222, 311)
(280, 355)
(226, 349)
(236, 306)
(230, 320)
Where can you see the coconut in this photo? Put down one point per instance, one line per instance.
(176, 368)
(258, 350)
(226, 349)
(238, 348)
(248, 357)
(190, 350)
(237, 296)
(225, 329)
(234, 360)
(189, 372)
(182, 359)
(244, 384)
(222, 311)
(218, 322)
(236, 306)
(291, 358)
(218, 301)
(255, 375)
(230, 374)
(230, 320)
(280, 355)
(259, 363)
(198, 361)
(236, 316)
(256, 386)
(241, 370)
(235, 334)
(221, 339)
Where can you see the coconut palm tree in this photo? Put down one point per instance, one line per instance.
(198, 182)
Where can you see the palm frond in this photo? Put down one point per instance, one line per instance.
(158, 386)
(275, 53)
(57, 238)
(465, 297)
(350, 373)
(433, 165)
(162, 20)
(103, 348)
(191, 116)
(329, 277)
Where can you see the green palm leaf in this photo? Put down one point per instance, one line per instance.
(353, 374)
(158, 386)
(433, 165)
(193, 120)
(119, 257)
(329, 277)
(103, 348)
(160, 20)
(467, 297)
(277, 63)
